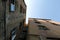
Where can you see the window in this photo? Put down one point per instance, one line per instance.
(4, 0)
(37, 22)
(24, 21)
(42, 27)
(12, 5)
(13, 34)
(55, 24)
(20, 25)
(20, 9)
(24, 11)
(51, 38)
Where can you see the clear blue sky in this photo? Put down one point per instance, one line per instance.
(49, 9)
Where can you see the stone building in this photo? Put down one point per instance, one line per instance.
(43, 29)
(12, 19)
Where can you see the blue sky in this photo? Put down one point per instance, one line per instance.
(49, 9)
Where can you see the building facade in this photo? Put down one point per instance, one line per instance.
(43, 29)
(12, 19)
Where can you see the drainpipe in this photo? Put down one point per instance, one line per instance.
(4, 16)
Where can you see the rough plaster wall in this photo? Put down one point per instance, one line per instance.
(54, 30)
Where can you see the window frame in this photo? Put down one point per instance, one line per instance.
(42, 27)
(21, 8)
(13, 33)
(14, 4)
